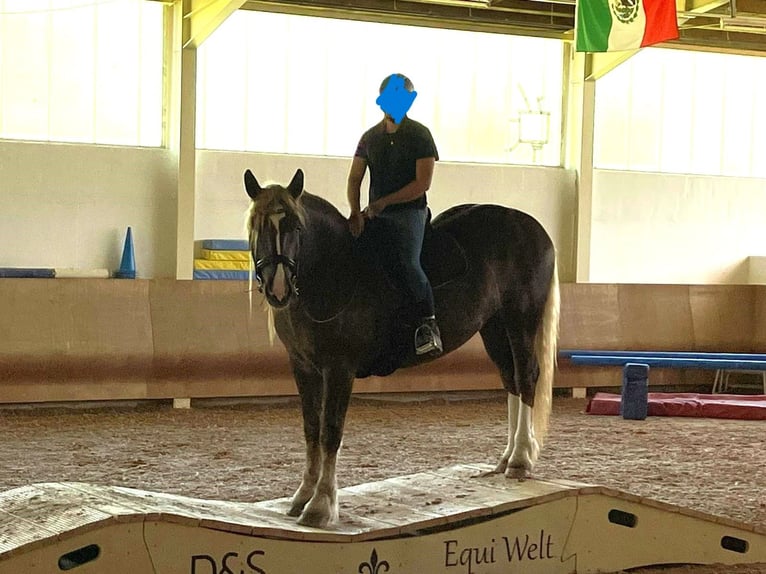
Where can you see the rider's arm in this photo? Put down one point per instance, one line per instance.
(354, 184)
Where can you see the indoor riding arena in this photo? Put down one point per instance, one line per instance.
(206, 368)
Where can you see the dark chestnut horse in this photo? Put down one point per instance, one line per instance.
(339, 314)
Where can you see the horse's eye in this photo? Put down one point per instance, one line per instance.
(290, 224)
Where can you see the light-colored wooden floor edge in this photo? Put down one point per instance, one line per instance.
(93, 507)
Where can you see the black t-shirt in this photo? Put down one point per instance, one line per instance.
(392, 158)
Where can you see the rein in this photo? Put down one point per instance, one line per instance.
(340, 311)
(292, 266)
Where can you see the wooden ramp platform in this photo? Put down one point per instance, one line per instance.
(453, 520)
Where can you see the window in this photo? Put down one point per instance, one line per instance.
(301, 85)
(81, 71)
(683, 112)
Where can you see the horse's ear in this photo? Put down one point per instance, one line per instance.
(296, 185)
(252, 186)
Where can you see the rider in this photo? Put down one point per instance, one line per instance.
(400, 153)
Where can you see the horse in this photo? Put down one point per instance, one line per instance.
(334, 309)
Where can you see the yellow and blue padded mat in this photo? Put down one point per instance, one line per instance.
(221, 255)
(225, 244)
(222, 264)
(221, 274)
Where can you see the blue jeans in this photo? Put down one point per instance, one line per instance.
(405, 229)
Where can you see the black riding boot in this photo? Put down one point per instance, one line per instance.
(428, 340)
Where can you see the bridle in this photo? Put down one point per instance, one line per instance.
(273, 260)
(291, 267)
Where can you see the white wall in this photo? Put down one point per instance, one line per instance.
(69, 205)
(666, 228)
(546, 193)
(65, 205)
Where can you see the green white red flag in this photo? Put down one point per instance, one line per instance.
(617, 25)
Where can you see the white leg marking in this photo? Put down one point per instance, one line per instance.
(308, 484)
(513, 421)
(323, 506)
(525, 449)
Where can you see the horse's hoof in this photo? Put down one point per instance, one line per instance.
(488, 473)
(296, 509)
(314, 519)
(517, 472)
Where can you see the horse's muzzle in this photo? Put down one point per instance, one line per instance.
(290, 279)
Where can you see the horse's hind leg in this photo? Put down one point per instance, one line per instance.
(323, 506)
(495, 338)
(310, 389)
(512, 350)
(526, 447)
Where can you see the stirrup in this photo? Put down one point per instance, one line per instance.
(428, 341)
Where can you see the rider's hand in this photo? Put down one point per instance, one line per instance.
(356, 223)
(374, 209)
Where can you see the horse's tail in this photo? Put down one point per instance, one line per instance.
(546, 341)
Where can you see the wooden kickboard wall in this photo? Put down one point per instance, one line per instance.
(101, 339)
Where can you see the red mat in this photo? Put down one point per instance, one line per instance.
(746, 407)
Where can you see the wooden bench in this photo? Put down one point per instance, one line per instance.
(725, 364)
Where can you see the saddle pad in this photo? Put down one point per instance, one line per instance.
(222, 264)
(26, 273)
(219, 255)
(221, 274)
(225, 244)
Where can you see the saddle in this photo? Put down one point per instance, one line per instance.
(443, 261)
(442, 257)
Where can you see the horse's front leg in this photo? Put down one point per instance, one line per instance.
(323, 506)
(310, 389)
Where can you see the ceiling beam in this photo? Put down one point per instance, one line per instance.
(523, 17)
(205, 16)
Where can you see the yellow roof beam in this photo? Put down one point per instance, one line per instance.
(204, 16)
(598, 64)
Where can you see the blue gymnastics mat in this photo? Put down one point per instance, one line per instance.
(221, 274)
(226, 244)
(26, 273)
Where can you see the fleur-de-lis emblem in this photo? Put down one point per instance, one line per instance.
(373, 566)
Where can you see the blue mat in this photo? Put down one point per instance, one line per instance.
(26, 273)
(221, 274)
(226, 244)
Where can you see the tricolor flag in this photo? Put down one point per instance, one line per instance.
(615, 25)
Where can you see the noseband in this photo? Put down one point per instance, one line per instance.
(274, 260)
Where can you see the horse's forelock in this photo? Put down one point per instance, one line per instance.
(273, 199)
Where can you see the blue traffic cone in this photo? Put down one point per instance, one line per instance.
(127, 268)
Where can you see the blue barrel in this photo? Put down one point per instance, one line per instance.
(635, 391)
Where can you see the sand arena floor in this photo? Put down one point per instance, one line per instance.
(254, 451)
